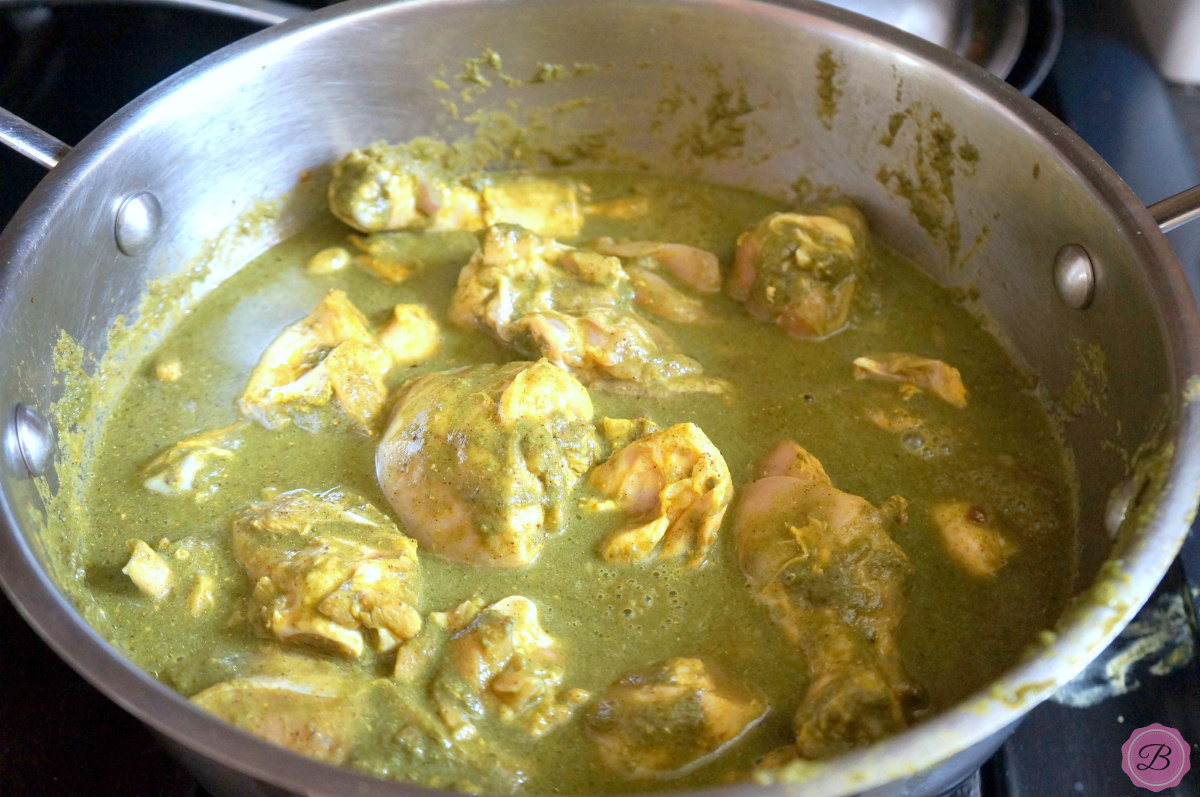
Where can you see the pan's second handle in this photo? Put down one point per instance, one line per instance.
(32, 142)
(1176, 210)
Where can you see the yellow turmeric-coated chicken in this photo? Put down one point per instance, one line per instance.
(504, 666)
(673, 485)
(573, 307)
(479, 462)
(923, 373)
(668, 718)
(383, 187)
(800, 271)
(329, 571)
(325, 368)
(822, 562)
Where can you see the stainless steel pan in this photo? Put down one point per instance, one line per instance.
(1058, 250)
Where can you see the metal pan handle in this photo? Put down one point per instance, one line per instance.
(1177, 210)
(30, 141)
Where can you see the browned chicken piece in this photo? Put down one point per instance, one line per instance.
(937, 377)
(328, 569)
(195, 466)
(480, 462)
(800, 271)
(304, 704)
(410, 334)
(383, 187)
(696, 268)
(658, 297)
(503, 665)
(673, 485)
(971, 538)
(324, 368)
(573, 307)
(669, 718)
(821, 560)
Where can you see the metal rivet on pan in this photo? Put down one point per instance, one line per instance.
(28, 440)
(138, 220)
(1074, 276)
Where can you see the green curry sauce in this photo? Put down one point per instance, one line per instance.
(958, 632)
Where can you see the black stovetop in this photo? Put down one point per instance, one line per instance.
(69, 68)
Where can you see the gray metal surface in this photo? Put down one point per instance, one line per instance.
(989, 33)
(223, 134)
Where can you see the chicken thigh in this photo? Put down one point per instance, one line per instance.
(822, 562)
(573, 307)
(479, 462)
(327, 569)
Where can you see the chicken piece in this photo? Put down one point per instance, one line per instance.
(574, 308)
(148, 571)
(626, 208)
(822, 562)
(479, 462)
(328, 568)
(800, 271)
(327, 360)
(304, 704)
(395, 256)
(675, 487)
(669, 718)
(504, 665)
(410, 187)
(194, 467)
(937, 377)
(693, 267)
(410, 335)
(655, 295)
(971, 538)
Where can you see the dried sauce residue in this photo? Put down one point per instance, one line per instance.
(1088, 385)
(828, 89)
(936, 157)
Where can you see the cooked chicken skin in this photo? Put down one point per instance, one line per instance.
(668, 718)
(382, 187)
(328, 360)
(674, 486)
(573, 307)
(194, 467)
(328, 569)
(479, 462)
(822, 561)
(504, 665)
(304, 704)
(937, 377)
(800, 271)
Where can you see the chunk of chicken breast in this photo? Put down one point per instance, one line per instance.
(573, 307)
(304, 704)
(800, 271)
(821, 560)
(195, 466)
(674, 486)
(410, 335)
(329, 360)
(383, 187)
(924, 373)
(327, 569)
(503, 665)
(668, 718)
(479, 462)
(971, 538)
